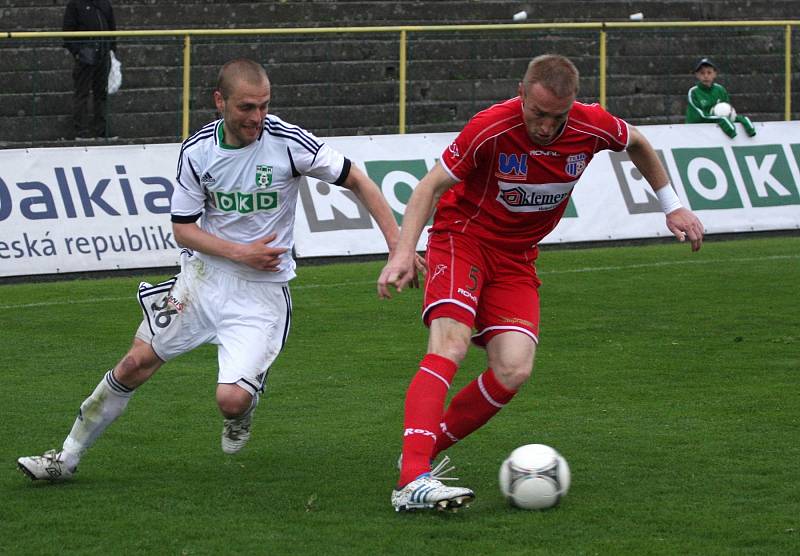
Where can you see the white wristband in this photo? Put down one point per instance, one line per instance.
(669, 200)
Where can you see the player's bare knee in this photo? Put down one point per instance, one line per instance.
(513, 377)
(454, 351)
(511, 357)
(233, 401)
(521, 375)
(451, 343)
(232, 408)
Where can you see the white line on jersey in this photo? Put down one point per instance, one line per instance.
(363, 283)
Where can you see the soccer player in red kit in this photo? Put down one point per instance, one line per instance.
(500, 187)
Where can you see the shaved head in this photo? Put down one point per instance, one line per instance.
(240, 69)
(553, 72)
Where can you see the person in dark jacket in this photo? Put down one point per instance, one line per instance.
(92, 63)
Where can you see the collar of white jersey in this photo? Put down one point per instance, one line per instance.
(219, 137)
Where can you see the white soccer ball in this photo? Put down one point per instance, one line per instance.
(534, 477)
(724, 110)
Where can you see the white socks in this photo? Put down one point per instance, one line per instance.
(99, 410)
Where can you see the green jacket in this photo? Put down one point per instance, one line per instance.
(701, 100)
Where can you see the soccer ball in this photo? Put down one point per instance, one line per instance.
(534, 477)
(724, 110)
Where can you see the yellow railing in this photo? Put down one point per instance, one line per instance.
(404, 30)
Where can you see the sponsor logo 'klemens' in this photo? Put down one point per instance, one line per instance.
(526, 197)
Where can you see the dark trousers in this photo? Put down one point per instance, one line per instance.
(94, 79)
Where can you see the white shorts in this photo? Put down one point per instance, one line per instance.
(249, 321)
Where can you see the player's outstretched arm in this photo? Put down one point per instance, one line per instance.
(401, 270)
(371, 197)
(680, 221)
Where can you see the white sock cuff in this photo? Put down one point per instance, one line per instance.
(116, 386)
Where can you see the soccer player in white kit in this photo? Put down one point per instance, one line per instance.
(233, 212)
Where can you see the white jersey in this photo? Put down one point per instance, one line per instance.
(248, 193)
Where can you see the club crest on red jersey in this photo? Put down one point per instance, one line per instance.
(576, 164)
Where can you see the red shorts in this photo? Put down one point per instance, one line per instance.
(480, 287)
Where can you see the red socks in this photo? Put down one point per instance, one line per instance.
(423, 413)
(426, 432)
(471, 408)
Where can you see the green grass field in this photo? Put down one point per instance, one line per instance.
(669, 380)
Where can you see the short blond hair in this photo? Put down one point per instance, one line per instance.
(239, 68)
(553, 72)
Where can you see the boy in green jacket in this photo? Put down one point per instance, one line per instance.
(705, 94)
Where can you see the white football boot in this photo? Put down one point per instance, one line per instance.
(48, 467)
(427, 492)
(236, 433)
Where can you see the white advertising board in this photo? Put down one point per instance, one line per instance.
(734, 185)
(78, 209)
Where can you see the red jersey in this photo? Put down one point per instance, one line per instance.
(512, 192)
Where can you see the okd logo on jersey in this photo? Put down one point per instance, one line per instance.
(245, 202)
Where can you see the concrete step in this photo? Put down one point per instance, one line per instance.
(174, 14)
(667, 65)
(148, 65)
(736, 84)
(51, 127)
(693, 43)
(367, 106)
(140, 101)
(640, 107)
